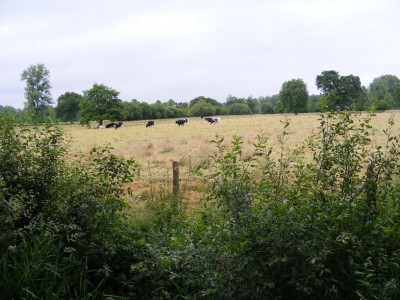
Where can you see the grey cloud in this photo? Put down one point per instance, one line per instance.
(157, 50)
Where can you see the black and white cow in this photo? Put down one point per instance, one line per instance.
(118, 124)
(181, 122)
(111, 125)
(212, 120)
(150, 123)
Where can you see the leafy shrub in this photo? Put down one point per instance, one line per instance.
(78, 209)
(316, 229)
(280, 225)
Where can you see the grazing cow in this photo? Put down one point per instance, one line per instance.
(118, 124)
(150, 123)
(216, 120)
(110, 125)
(100, 126)
(180, 122)
(212, 120)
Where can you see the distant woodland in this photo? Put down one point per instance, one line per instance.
(101, 102)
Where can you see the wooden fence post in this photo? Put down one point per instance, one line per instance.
(175, 178)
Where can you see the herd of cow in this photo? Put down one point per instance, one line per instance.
(115, 125)
(180, 122)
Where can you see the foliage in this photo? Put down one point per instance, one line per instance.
(253, 104)
(58, 221)
(294, 96)
(278, 226)
(17, 114)
(312, 103)
(385, 92)
(341, 91)
(37, 90)
(239, 109)
(36, 269)
(270, 104)
(100, 103)
(267, 108)
(211, 101)
(202, 108)
(68, 107)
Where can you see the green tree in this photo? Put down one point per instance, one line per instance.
(68, 107)
(221, 110)
(270, 104)
(37, 90)
(213, 102)
(100, 103)
(14, 113)
(312, 104)
(339, 91)
(239, 109)
(202, 108)
(294, 96)
(386, 89)
(171, 102)
(146, 110)
(267, 108)
(253, 104)
(133, 110)
(232, 100)
(159, 111)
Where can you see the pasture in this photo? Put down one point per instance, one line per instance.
(156, 147)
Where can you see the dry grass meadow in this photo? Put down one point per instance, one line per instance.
(156, 147)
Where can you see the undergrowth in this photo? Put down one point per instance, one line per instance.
(321, 221)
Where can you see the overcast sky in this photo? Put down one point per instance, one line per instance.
(181, 49)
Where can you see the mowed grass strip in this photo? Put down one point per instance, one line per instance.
(156, 147)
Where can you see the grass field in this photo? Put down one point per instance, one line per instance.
(156, 147)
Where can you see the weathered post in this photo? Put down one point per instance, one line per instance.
(175, 178)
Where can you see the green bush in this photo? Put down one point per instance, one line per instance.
(314, 229)
(281, 225)
(73, 212)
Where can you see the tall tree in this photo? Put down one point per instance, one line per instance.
(386, 87)
(133, 110)
(230, 100)
(339, 91)
(100, 103)
(239, 109)
(312, 105)
(253, 104)
(294, 96)
(270, 104)
(37, 90)
(202, 108)
(213, 102)
(68, 107)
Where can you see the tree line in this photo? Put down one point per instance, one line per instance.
(101, 102)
